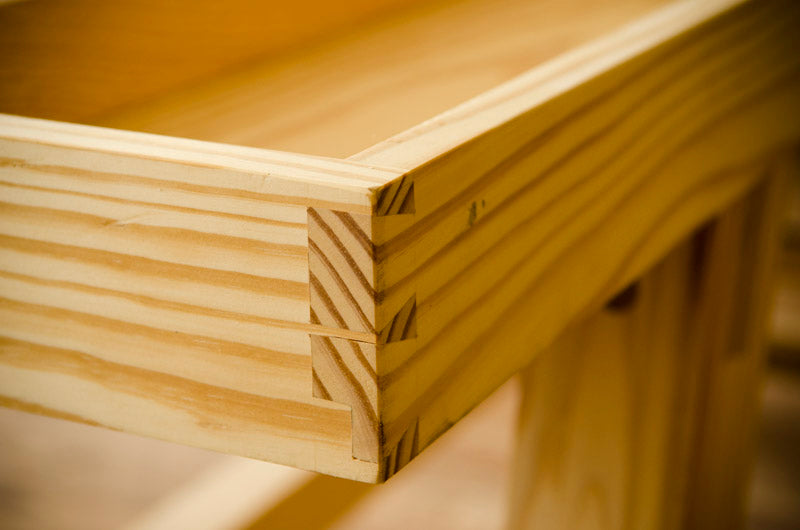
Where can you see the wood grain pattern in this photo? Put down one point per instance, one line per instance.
(604, 159)
(624, 422)
(341, 270)
(401, 453)
(735, 298)
(79, 59)
(378, 298)
(403, 326)
(344, 371)
(149, 282)
(604, 429)
(339, 96)
(343, 284)
(396, 198)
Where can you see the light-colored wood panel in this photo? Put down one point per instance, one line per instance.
(107, 203)
(73, 60)
(643, 415)
(168, 287)
(605, 416)
(343, 95)
(227, 363)
(343, 372)
(608, 164)
(202, 168)
(160, 286)
(730, 331)
(177, 409)
(560, 73)
(187, 223)
(154, 313)
(233, 256)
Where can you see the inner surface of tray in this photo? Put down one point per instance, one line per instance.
(363, 83)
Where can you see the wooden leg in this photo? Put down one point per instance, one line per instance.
(729, 335)
(643, 415)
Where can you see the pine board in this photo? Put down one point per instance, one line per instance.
(339, 314)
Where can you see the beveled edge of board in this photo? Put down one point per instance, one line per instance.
(275, 176)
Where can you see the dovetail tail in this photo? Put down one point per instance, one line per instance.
(396, 198)
(403, 325)
(343, 371)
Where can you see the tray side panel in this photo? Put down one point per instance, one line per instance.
(155, 291)
(532, 210)
(75, 60)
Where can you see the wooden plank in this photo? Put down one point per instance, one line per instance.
(607, 157)
(75, 60)
(730, 334)
(339, 96)
(603, 438)
(643, 415)
(226, 170)
(160, 286)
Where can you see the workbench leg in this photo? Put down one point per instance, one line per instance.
(643, 416)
